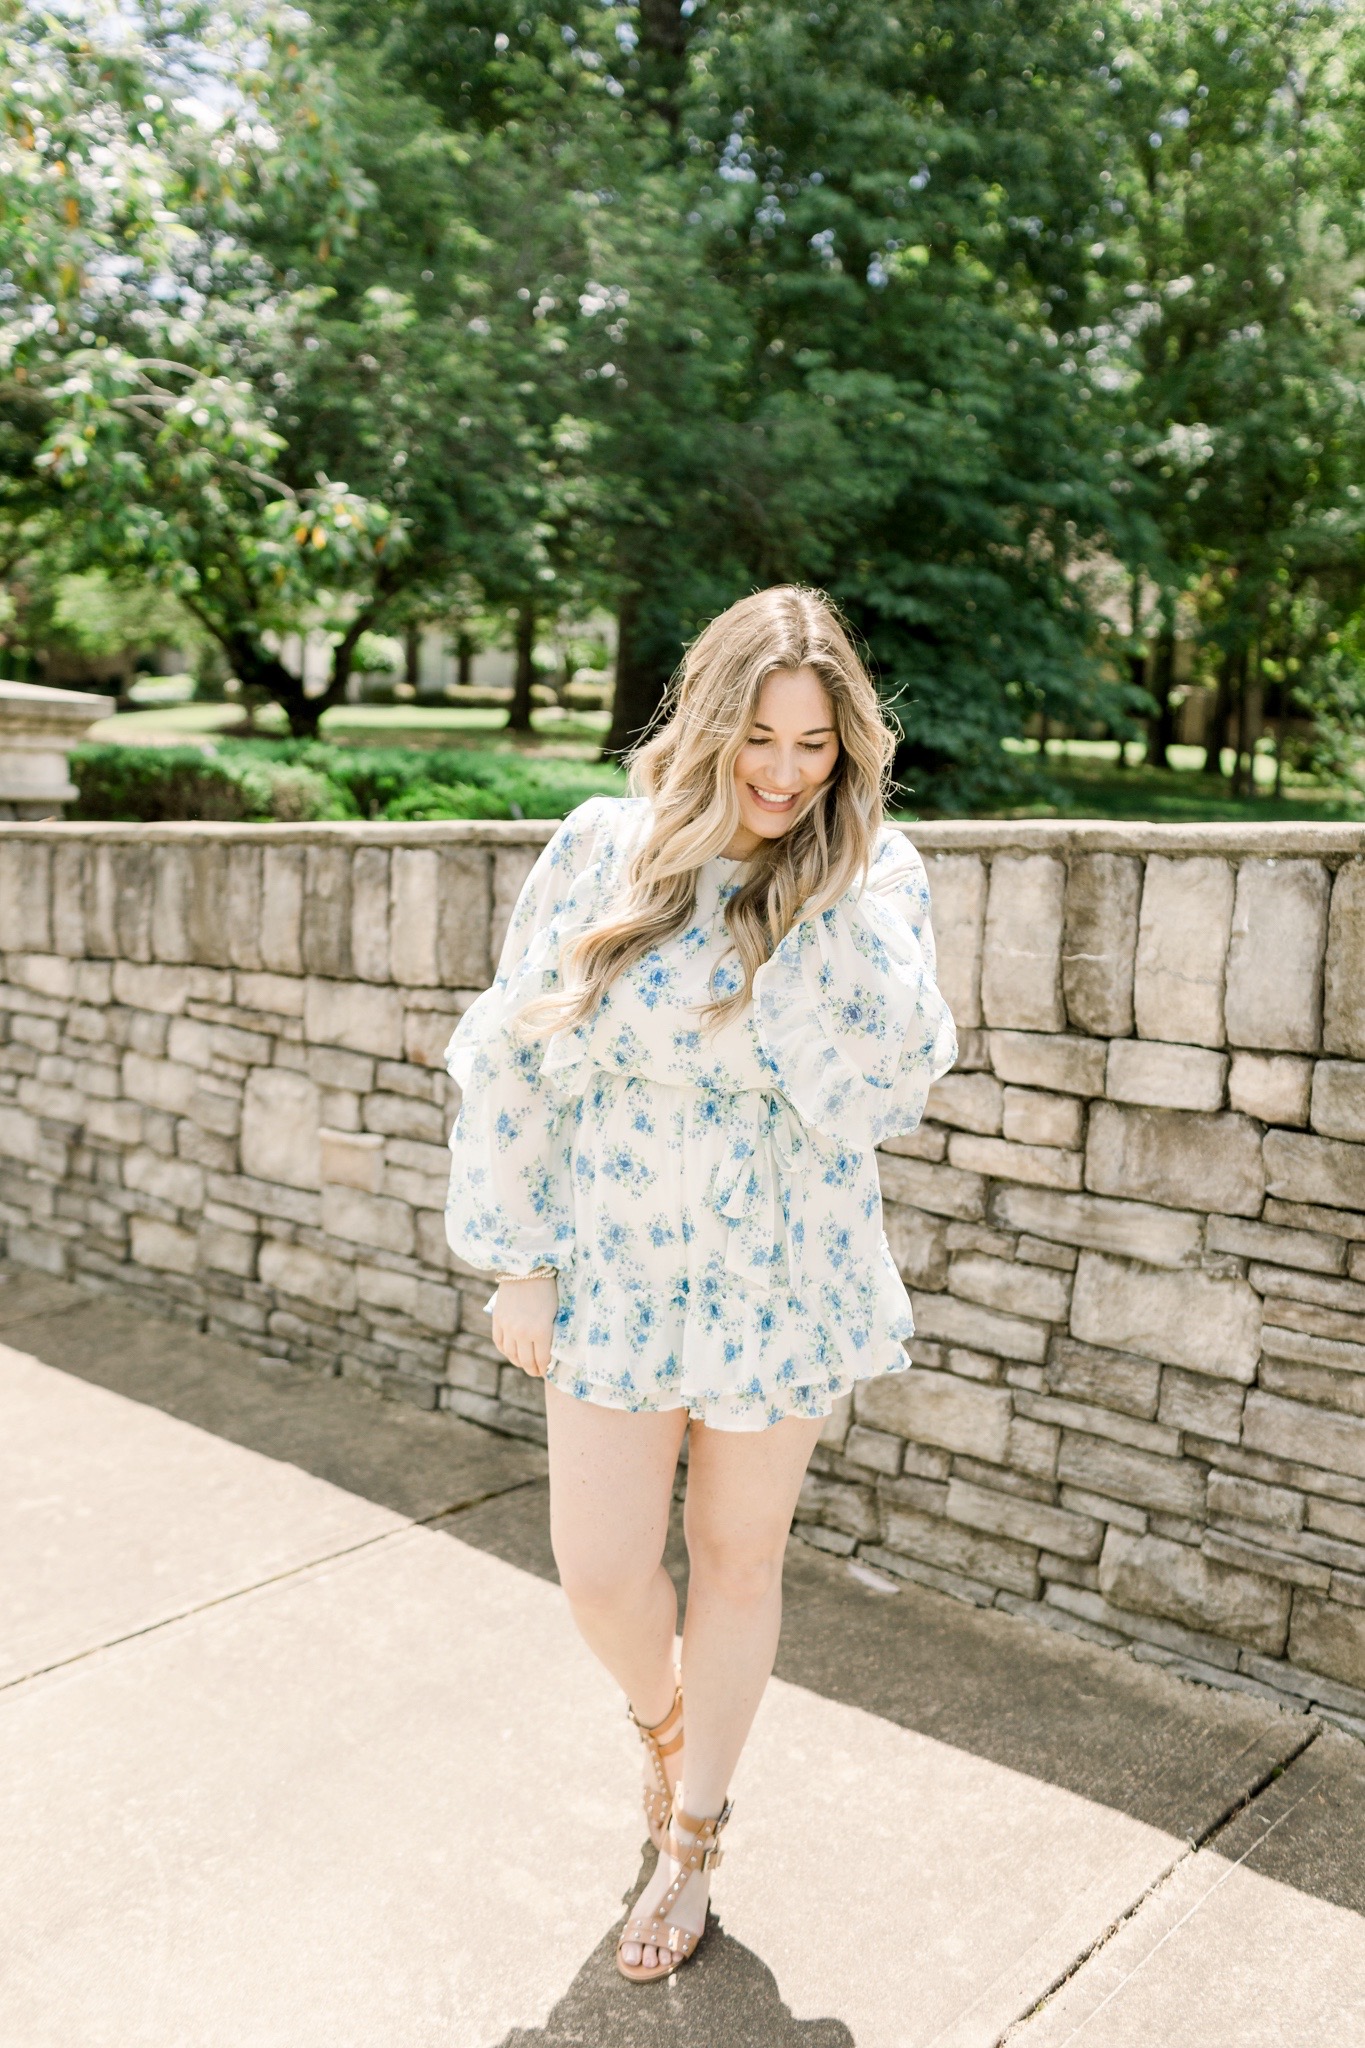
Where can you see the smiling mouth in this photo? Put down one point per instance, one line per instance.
(772, 800)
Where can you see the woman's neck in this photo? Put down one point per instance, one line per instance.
(744, 845)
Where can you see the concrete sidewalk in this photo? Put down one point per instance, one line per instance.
(298, 1746)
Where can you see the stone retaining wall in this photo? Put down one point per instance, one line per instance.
(1133, 1223)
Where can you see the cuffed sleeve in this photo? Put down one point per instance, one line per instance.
(509, 1207)
(848, 1012)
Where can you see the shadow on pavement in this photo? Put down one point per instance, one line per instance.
(1308, 1827)
(1122, 1733)
(724, 1998)
(404, 1458)
(1107, 1727)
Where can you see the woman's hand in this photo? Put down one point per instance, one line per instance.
(524, 1314)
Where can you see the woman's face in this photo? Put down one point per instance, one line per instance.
(789, 754)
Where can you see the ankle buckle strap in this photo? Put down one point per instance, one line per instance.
(705, 1848)
(712, 1855)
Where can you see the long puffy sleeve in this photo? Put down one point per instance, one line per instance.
(848, 1010)
(509, 1208)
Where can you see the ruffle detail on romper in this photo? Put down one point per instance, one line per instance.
(710, 1199)
(849, 1017)
(768, 1299)
(497, 1014)
(563, 1058)
(510, 1206)
(494, 1014)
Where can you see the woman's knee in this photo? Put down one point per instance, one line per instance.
(743, 1574)
(606, 1579)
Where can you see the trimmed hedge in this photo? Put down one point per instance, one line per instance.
(149, 784)
(285, 781)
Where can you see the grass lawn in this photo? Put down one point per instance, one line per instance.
(565, 735)
(1085, 779)
(1076, 779)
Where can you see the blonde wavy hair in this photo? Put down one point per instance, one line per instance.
(686, 770)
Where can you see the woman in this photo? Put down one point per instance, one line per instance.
(715, 998)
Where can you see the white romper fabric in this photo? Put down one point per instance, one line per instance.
(709, 1197)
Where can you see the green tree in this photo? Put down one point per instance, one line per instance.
(524, 310)
(281, 420)
(1236, 340)
(902, 203)
(83, 181)
(817, 260)
(592, 287)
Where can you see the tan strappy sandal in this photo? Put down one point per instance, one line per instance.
(652, 1930)
(665, 1738)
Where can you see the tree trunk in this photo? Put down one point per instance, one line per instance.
(1255, 714)
(1239, 679)
(1222, 711)
(1137, 654)
(1161, 725)
(662, 57)
(519, 716)
(305, 713)
(412, 652)
(1137, 676)
(260, 671)
(648, 644)
(464, 658)
(335, 693)
(1248, 726)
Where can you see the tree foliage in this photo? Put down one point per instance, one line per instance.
(350, 319)
(1237, 342)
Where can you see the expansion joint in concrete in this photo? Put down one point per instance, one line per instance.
(1197, 1842)
(1244, 1800)
(1087, 1955)
(206, 1606)
(478, 1500)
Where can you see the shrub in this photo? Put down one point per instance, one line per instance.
(424, 800)
(152, 784)
(291, 780)
(376, 779)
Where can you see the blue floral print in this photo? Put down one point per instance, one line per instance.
(708, 1196)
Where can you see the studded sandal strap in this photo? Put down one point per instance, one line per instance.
(702, 1853)
(704, 1828)
(651, 1738)
(650, 1933)
(652, 1732)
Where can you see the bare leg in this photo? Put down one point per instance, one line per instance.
(741, 1493)
(611, 1484)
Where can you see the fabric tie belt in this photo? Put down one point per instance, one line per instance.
(763, 1142)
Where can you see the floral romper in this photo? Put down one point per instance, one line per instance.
(709, 1197)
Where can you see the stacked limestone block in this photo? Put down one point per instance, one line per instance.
(1132, 1225)
(1133, 1222)
(221, 1082)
